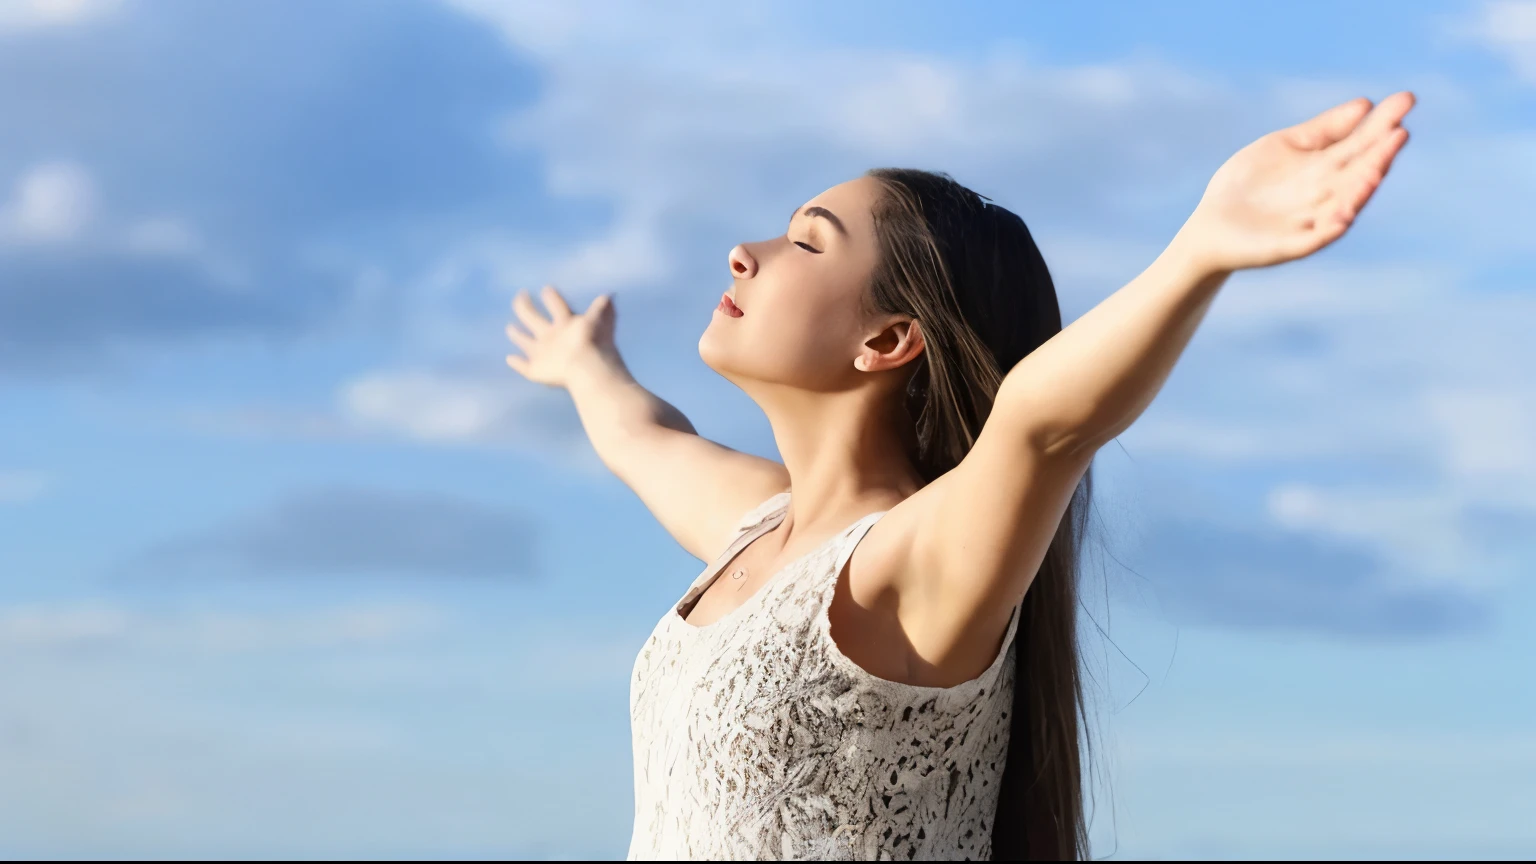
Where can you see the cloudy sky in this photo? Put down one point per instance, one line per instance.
(291, 564)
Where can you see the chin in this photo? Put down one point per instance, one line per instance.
(719, 353)
(710, 349)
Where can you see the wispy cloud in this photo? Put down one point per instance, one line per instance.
(228, 207)
(1411, 365)
(161, 236)
(79, 625)
(75, 287)
(439, 407)
(53, 202)
(435, 407)
(30, 15)
(1508, 29)
(19, 486)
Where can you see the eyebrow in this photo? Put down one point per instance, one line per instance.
(827, 215)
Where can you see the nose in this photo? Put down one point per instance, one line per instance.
(743, 265)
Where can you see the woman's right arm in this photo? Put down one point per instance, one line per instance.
(695, 488)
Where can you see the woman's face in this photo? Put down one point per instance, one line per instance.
(802, 319)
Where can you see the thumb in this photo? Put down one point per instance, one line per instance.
(601, 305)
(1331, 125)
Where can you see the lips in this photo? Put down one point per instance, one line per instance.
(728, 306)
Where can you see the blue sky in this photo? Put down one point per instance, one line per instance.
(290, 564)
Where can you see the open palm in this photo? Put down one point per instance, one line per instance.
(1298, 189)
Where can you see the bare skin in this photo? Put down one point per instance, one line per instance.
(925, 598)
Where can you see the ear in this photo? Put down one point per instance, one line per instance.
(897, 344)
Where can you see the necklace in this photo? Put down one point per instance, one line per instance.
(740, 574)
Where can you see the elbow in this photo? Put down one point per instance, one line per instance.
(1065, 441)
(1057, 428)
(1067, 446)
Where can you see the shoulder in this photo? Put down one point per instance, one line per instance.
(771, 505)
(754, 516)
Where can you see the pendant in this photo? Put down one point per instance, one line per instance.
(741, 573)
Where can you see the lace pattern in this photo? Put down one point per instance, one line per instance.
(755, 737)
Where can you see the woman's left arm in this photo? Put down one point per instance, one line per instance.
(985, 526)
(1283, 197)
(1089, 382)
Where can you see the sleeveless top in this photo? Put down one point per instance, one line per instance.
(755, 737)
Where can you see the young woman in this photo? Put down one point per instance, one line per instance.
(916, 694)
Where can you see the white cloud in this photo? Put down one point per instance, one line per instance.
(53, 202)
(161, 236)
(77, 624)
(17, 487)
(452, 408)
(429, 407)
(1508, 29)
(57, 202)
(1328, 292)
(1417, 530)
(703, 138)
(432, 406)
(1408, 364)
(69, 625)
(713, 155)
(550, 29)
(36, 14)
(1489, 435)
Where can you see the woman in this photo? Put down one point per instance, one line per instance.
(815, 696)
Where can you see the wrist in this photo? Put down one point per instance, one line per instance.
(1193, 255)
(593, 368)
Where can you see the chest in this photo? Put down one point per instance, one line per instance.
(855, 589)
(696, 688)
(734, 583)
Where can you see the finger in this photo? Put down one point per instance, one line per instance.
(1375, 161)
(1373, 167)
(558, 311)
(536, 323)
(1372, 129)
(522, 340)
(1331, 125)
(1313, 234)
(598, 306)
(518, 364)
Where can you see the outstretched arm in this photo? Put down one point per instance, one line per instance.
(1283, 197)
(989, 521)
(695, 488)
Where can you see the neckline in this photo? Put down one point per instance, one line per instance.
(712, 574)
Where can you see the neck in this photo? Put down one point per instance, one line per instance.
(844, 453)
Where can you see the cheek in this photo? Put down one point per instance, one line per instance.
(783, 340)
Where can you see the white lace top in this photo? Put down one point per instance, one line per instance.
(755, 737)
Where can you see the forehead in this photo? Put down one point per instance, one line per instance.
(853, 202)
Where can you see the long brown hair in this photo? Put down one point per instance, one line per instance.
(969, 272)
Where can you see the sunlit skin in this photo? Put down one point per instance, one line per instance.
(927, 594)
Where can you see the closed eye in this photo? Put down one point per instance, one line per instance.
(807, 247)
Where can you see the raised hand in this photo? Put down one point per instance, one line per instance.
(557, 344)
(1298, 189)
